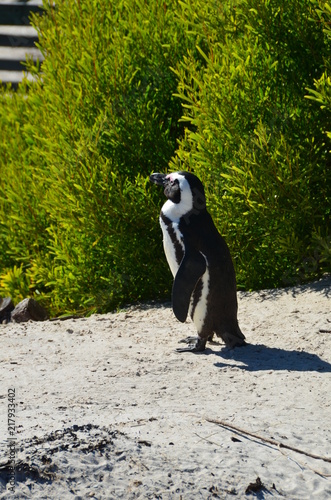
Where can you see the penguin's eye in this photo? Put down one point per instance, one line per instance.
(172, 190)
(171, 180)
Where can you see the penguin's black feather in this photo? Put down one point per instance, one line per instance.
(190, 271)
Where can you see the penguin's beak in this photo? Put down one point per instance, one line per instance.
(158, 179)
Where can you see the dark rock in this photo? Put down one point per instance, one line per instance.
(6, 307)
(29, 309)
(255, 487)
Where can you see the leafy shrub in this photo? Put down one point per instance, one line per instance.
(254, 139)
(89, 132)
(130, 87)
(322, 92)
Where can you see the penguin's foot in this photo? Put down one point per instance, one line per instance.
(188, 340)
(231, 343)
(232, 339)
(195, 344)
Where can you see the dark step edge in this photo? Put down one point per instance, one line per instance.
(17, 13)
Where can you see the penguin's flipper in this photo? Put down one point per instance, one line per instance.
(190, 270)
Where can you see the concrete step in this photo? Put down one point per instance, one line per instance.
(18, 36)
(14, 76)
(11, 58)
(18, 13)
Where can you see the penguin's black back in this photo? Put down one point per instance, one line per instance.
(199, 231)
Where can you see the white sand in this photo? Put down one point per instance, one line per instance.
(106, 408)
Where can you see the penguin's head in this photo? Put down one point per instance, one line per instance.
(182, 189)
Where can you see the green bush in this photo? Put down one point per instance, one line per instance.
(322, 91)
(253, 138)
(80, 221)
(130, 87)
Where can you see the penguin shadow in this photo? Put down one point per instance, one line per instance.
(322, 287)
(259, 357)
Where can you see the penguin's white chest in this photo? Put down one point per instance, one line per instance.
(173, 245)
(174, 249)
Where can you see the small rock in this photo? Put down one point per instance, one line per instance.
(29, 309)
(255, 487)
(6, 307)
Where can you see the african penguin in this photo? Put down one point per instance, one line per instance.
(204, 278)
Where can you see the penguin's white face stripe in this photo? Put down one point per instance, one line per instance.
(174, 211)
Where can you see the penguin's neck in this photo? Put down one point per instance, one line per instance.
(174, 211)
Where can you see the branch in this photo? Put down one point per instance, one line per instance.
(266, 440)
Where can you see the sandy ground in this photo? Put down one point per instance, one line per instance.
(106, 409)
